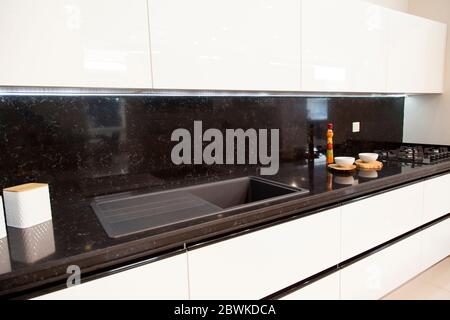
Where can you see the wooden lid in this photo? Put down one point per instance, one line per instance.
(375, 165)
(26, 187)
(338, 168)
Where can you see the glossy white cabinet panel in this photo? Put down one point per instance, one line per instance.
(230, 45)
(160, 280)
(436, 198)
(261, 263)
(370, 222)
(2, 220)
(416, 59)
(74, 43)
(325, 289)
(382, 272)
(344, 46)
(436, 243)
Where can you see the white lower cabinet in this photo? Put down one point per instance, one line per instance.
(382, 272)
(436, 198)
(261, 263)
(327, 288)
(165, 279)
(370, 222)
(436, 243)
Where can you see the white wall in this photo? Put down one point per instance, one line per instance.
(427, 118)
(401, 5)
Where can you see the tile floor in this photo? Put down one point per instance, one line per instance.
(433, 284)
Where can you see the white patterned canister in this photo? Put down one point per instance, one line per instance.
(27, 205)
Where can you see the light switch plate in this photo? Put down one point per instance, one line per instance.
(356, 127)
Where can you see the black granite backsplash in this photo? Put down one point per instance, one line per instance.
(87, 142)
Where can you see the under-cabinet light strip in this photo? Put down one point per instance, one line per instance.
(34, 91)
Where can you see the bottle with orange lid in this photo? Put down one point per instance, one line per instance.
(330, 134)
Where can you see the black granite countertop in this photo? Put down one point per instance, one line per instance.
(79, 239)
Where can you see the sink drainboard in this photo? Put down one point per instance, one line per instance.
(126, 214)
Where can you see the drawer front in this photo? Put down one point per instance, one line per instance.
(261, 263)
(373, 221)
(436, 243)
(165, 279)
(327, 288)
(384, 271)
(436, 198)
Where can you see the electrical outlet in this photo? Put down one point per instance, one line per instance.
(356, 127)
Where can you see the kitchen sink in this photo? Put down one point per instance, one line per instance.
(125, 214)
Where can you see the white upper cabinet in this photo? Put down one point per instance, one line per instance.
(251, 45)
(74, 43)
(416, 57)
(226, 45)
(344, 46)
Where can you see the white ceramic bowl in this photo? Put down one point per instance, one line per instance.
(344, 162)
(368, 157)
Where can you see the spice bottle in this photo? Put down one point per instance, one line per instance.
(330, 134)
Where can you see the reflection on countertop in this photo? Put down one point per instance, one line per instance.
(5, 261)
(32, 244)
(318, 179)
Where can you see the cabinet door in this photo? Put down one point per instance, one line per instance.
(325, 289)
(74, 43)
(230, 45)
(436, 243)
(436, 198)
(416, 59)
(384, 271)
(165, 279)
(344, 46)
(370, 222)
(2, 220)
(261, 263)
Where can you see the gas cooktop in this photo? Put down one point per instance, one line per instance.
(420, 154)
